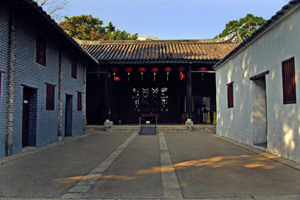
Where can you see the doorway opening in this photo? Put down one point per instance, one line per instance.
(68, 115)
(260, 112)
(29, 117)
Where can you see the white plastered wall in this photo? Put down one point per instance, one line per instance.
(265, 53)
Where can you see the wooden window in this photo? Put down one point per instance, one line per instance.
(50, 94)
(288, 81)
(74, 69)
(40, 51)
(79, 101)
(230, 95)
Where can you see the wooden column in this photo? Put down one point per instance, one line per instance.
(189, 92)
(106, 94)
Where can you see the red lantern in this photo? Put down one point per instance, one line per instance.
(168, 70)
(128, 70)
(142, 70)
(114, 70)
(181, 69)
(98, 69)
(182, 76)
(154, 70)
(117, 78)
(202, 69)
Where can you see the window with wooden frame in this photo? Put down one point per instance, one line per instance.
(74, 69)
(40, 57)
(79, 101)
(288, 81)
(50, 96)
(230, 95)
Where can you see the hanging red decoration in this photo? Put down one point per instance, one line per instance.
(98, 69)
(202, 69)
(168, 70)
(182, 76)
(154, 70)
(117, 78)
(114, 70)
(181, 69)
(128, 70)
(142, 70)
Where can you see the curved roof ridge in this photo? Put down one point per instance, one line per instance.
(225, 39)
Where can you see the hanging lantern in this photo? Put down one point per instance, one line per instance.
(128, 70)
(117, 78)
(168, 70)
(181, 75)
(114, 70)
(202, 68)
(142, 70)
(98, 69)
(154, 70)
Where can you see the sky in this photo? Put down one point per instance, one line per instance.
(172, 19)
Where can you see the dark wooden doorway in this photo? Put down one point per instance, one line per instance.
(68, 115)
(29, 117)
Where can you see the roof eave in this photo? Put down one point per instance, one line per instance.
(45, 20)
(275, 19)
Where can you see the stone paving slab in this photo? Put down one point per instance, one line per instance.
(125, 166)
(53, 171)
(135, 174)
(208, 167)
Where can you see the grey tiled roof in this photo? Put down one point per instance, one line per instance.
(35, 14)
(158, 50)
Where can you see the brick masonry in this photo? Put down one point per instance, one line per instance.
(20, 70)
(4, 35)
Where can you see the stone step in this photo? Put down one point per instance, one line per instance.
(160, 128)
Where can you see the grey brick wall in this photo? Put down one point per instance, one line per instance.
(71, 86)
(4, 18)
(28, 73)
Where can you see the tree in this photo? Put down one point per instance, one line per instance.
(52, 7)
(86, 27)
(83, 27)
(244, 26)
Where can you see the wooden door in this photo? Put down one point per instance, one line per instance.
(25, 121)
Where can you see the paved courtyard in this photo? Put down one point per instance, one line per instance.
(102, 165)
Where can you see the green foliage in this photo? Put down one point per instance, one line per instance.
(245, 26)
(86, 27)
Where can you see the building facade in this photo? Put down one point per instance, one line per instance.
(42, 79)
(137, 81)
(258, 87)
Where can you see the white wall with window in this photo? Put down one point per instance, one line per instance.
(265, 72)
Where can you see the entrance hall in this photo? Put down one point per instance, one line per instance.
(163, 95)
(172, 80)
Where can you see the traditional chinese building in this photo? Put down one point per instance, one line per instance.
(164, 78)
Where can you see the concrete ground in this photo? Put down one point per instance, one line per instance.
(166, 166)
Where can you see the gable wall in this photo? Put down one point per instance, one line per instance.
(266, 53)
